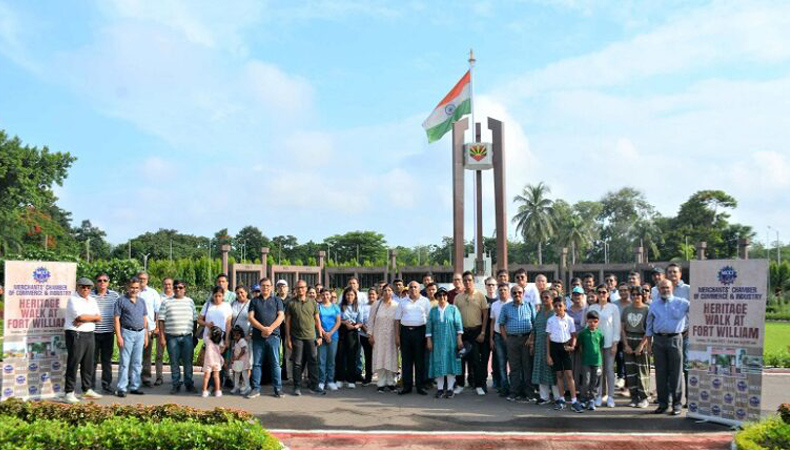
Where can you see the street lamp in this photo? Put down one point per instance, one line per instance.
(778, 247)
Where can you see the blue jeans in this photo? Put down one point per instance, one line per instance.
(326, 361)
(500, 350)
(268, 349)
(180, 347)
(131, 355)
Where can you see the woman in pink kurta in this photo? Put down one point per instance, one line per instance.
(381, 333)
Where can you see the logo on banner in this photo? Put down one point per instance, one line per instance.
(728, 398)
(33, 390)
(8, 368)
(44, 377)
(32, 367)
(41, 274)
(740, 413)
(754, 401)
(21, 379)
(56, 387)
(8, 392)
(742, 386)
(694, 381)
(727, 275)
(55, 365)
(704, 395)
(693, 406)
(716, 410)
(716, 383)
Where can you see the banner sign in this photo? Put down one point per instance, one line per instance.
(726, 331)
(34, 346)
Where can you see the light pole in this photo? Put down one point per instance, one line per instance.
(145, 261)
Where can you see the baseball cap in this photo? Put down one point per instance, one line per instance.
(281, 283)
(577, 290)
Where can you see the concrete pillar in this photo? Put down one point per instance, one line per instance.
(265, 262)
(225, 249)
(743, 248)
(563, 269)
(321, 258)
(639, 252)
(393, 266)
(500, 194)
(458, 193)
(701, 247)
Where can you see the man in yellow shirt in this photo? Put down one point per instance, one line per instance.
(474, 314)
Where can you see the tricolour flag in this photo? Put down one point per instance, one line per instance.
(454, 105)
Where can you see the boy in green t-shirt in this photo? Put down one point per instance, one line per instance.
(590, 341)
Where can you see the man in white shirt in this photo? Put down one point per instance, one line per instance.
(410, 319)
(152, 301)
(531, 293)
(82, 313)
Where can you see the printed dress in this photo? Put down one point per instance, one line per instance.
(382, 324)
(444, 332)
(541, 372)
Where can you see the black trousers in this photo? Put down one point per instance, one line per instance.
(348, 347)
(104, 343)
(485, 356)
(304, 351)
(412, 349)
(368, 350)
(472, 366)
(668, 357)
(80, 353)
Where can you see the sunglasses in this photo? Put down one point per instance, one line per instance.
(102, 281)
(180, 287)
(491, 285)
(84, 287)
(603, 292)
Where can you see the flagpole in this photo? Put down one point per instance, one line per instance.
(475, 243)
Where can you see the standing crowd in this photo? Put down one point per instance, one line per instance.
(573, 349)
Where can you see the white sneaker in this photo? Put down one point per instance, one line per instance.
(643, 404)
(351, 385)
(458, 390)
(205, 394)
(71, 398)
(610, 402)
(218, 393)
(90, 393)
(598, 401)
(320, 386)
(480, 391)
(332, 386)
(620, 383)
(234, 391)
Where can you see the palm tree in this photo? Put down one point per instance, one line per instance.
(535, 217)
(576, 234)
(648, 234)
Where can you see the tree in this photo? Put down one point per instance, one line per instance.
(27, 175)
(534, 217)
(620, 211)
(647, 234)
(92, 237)
(251, 239)
(369, 245)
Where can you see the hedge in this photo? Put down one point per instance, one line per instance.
(131, 433)
(773, 433)
(84, 413)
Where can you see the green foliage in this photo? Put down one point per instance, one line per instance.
(535, 218)
(369, 245)
(133, 433)
(784, 412)
(771, 433)
(119, 270)
(158, 246)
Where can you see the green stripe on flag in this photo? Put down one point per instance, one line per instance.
(436, 133)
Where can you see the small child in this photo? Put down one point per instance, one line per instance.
(561, 340)
(213, 361)
(591, 346)
(240, 361)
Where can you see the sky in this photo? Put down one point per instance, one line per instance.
(304, 117)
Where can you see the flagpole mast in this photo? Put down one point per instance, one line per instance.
(475, 242)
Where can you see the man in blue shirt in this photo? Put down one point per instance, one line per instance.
(516, 320)
(666, 320)
(266, 314)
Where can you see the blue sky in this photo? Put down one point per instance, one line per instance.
(303, 117)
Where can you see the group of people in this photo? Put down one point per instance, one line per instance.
(570, 349)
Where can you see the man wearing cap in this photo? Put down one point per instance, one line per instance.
(104, 335)
(256, 291)
(82, 314)
(658, 274)
(666, 320)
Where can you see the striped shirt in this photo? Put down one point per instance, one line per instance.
(106, 304)
(178, 314)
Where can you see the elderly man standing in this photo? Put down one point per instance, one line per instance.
(131, 334)
(152, 301)
(410, 319)
(682, 290)
(666, 320)
(516, 322)
(104, 335)
(474, 315)
(177, 317)
(82, 314)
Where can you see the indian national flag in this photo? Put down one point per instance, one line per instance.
(453, 106)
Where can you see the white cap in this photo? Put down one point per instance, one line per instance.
(281, 282)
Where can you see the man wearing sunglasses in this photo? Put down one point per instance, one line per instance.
(474, 315)
(516, 322)
(104, 335)
(176, 319)
(82, 314)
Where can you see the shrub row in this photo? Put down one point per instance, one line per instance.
(131, 433)
(87, 413)
(772, 433)
(777, 359)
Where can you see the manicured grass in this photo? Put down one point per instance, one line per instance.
(777, 336)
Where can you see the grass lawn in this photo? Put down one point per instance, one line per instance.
(777, 336)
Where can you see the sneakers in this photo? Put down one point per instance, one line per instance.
(591, 406)
(297, 392)
(380, 390)
(511, 398)
(577, 407)
(559, 405)
(321, 386)
(246, 391)
(541, 401)
(480, 391)
(278, 393)
(253, 393)
(632, 405)
(598, 401)
(610, 402)
(234, 391)
(318, 391)
(204, 394)
(620, 383)
(458, 390)
(351, 385)
(218, 393)
(643, 404)
(90, 393)
(332, 386)
(71, 398)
